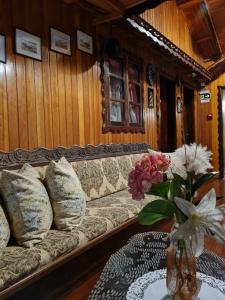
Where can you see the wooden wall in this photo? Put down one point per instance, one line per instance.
(58, 101)
(208, 129)
(170, 21)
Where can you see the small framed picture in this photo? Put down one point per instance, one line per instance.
(84, 42)
(60, 41)
(149, 74)
(150, 97)
(2, 48)
(179, 104)
(27, 44)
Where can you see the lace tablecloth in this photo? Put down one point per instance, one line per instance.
(144, 252)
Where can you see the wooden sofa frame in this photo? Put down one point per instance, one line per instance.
(56, 277)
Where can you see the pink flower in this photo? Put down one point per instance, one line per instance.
(147, 171)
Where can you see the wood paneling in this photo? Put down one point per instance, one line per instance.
(207, 130)
(169, 20)
(58, 101)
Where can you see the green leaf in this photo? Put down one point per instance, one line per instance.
(155, 211)
(160, 189)
(175, 187)
(200, 181)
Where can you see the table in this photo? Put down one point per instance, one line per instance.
(144, 252)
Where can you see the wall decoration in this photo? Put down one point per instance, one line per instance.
(150, 98)
(27, 44)
(149, 74)
(84, 42)
(2, 49)
(179, 104)
(60, 41)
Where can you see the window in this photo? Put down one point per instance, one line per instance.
(122, 95)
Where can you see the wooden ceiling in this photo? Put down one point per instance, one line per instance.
(107, 10)
(206, 19)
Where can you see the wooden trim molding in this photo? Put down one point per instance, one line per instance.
(165, 44)
(42, 156)
(218, 68)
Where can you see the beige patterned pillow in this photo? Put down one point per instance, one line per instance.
(27, 204)
(66, 193)
(4, 230)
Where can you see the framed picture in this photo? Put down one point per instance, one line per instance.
(60, 41)
(150, 98)
(179, 104)
(84, 42)
(2, 49)
(149, 74)
(27, 44)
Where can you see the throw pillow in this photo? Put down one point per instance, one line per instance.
(66, 193)
(4, 230)
(27, 204)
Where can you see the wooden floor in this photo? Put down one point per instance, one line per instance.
(82, 289)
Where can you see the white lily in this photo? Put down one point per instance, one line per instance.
(203, 219)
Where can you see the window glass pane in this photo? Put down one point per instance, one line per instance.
(133, 72)
(116, 111)
(116, 66)
(134, 114)
(116, 88)
(134, 93)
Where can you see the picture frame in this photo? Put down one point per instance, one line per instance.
(2, 48)
(84, 42)
(179, 105)
(28, 44)
(60, 41)
(150, 74)
(150, 97)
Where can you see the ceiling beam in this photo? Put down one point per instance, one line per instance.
(218, 68)
(187, 3)
(108, 5)
(106, 18)
(206, 15)
(140, 8)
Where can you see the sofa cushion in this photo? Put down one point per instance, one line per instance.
(59, 242)
(17, 262)
(92, 178)
(27, 205)
(135, 157)
(93, 227)
(66, 194)
(125, 166)
(121, 199)
(4, 230)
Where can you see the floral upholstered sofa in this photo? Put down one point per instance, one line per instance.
(103, 173)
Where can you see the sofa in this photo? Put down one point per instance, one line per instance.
(103, 173)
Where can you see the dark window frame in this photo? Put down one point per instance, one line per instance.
(125, 125)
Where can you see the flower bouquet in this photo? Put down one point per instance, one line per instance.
(176, 179)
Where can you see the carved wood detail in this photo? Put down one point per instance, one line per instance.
(42, 156)
(165, 44)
